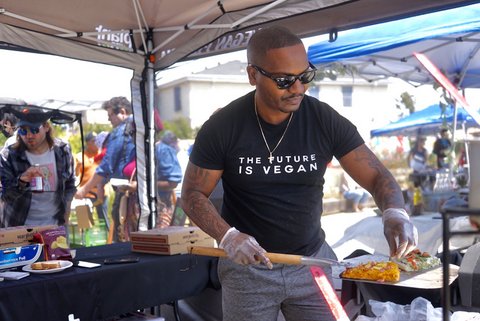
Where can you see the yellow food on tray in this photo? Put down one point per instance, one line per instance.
(376, 271)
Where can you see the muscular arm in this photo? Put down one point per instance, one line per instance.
(367, 170)
(197, 186)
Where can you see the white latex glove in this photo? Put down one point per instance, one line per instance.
(401, 234)
(243, 248)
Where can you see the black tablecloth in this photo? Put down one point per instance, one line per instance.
(96, 294)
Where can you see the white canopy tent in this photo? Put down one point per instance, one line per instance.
(150, 35)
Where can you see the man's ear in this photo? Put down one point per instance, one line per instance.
(252, 74)
(123, 113)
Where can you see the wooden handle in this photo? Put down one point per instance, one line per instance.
(274, 257)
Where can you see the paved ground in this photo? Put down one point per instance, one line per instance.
(335, 225)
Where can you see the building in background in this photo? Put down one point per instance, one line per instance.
(196, 96)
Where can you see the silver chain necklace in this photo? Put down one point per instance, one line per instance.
(270, 158)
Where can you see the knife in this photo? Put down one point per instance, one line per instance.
(281, 258)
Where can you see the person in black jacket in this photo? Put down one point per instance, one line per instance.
(37, 158)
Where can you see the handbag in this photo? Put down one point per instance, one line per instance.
(123, 212)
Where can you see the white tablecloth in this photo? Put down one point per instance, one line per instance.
(369, 233)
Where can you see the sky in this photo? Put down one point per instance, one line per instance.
(36, 77)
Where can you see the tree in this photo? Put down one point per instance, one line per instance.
(180, 127)
(406, 102)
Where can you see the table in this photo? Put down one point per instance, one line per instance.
(369, 232)
(96, 294)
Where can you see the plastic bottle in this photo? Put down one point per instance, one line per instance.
(417, 202)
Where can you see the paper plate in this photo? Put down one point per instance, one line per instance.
(63, 265)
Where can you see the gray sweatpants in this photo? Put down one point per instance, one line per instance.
(255, 293)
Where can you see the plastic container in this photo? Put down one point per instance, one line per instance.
(19, 255)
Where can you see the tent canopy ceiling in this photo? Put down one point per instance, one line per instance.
(185, 27)
(427, 121)
(450, 39)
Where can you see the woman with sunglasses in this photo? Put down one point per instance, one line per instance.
(271, 148)
(36, 156)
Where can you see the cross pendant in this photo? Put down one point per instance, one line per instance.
(271, 158)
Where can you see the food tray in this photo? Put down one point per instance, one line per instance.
(426, 279)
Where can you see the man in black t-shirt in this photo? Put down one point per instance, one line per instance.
(271, 148)
(441, 148)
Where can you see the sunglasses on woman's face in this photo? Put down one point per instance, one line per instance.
(287, 81)
(23, 131)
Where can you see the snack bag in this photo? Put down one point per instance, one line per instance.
(55, 245)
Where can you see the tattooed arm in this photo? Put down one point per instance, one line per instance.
(198, 184)
(367, 170)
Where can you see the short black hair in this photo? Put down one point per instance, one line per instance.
(269, 38)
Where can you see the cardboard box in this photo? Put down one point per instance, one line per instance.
(169, 235)
(170, 249)
(84, 216)
(18, 235)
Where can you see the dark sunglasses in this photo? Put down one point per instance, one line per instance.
(23, 131)
(287, 81)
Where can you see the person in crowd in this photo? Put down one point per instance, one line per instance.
(101, 143)
(169, 175)
(353, 192)
(8, 125)
(37, 174)
(418, 156)
(85, 164)
(271, 148)
(120, 151)
(441, 147)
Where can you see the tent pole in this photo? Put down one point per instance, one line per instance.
(151, 139)
(452, 152)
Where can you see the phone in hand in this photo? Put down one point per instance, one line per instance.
(121, 260)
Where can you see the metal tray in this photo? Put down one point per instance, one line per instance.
(426, 279)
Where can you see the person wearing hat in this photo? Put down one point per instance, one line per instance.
(85, 164)
(37, 173)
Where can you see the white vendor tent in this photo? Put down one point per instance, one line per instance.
(150, 35)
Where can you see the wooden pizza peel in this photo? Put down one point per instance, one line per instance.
(291, 259)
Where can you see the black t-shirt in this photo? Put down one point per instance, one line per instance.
(279, 204)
